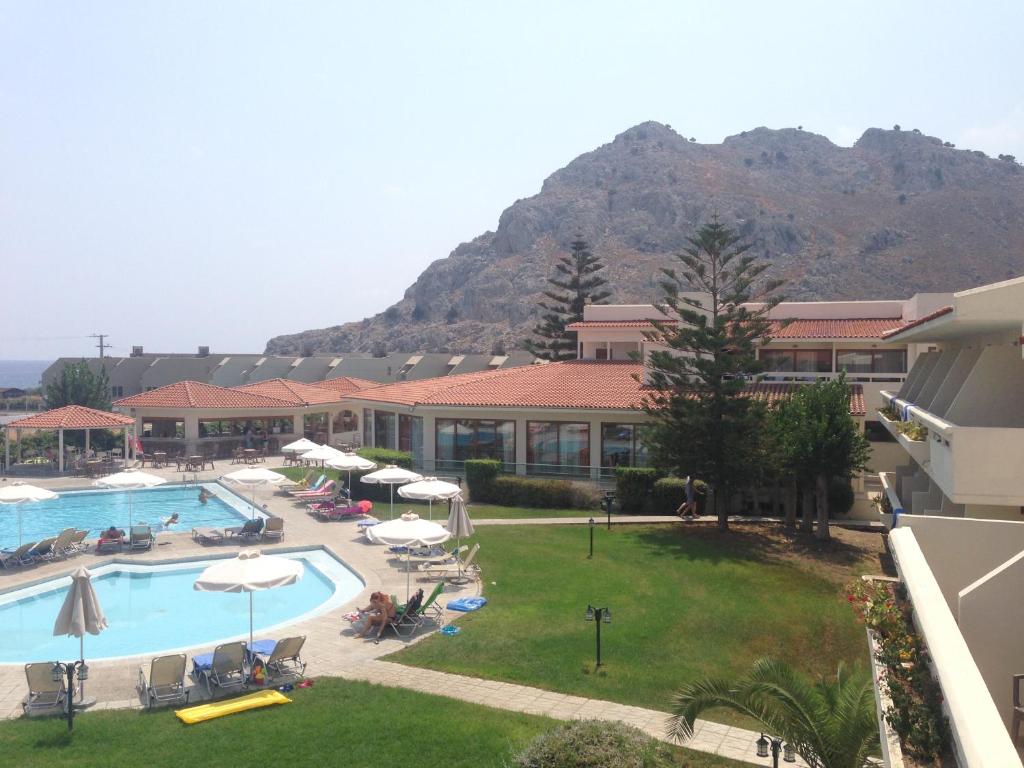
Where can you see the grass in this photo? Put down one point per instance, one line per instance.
(335, 723)
(686, 602)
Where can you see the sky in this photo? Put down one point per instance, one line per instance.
(176, 174)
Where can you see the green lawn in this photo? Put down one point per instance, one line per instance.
(335, 723)
(686, 602)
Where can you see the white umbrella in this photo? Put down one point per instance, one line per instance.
(430, 489)
(80, 613)
(22, 493)
(129, 480)
(255, 477)
(301, 445)
(249, 572)
(349, 461)
(409, 530)
(322, 453)
(459, 524)
(391, 476)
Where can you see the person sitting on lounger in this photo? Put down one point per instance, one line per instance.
(204, 495)
(379, 612)
(113, 533)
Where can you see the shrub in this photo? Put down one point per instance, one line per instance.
(514, 491)
(840, 496)
(633, 487)
(595, 744)
(668, 493)
(480, 474)
(384, 456)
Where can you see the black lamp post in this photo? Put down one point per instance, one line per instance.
(591, 521)
(776, 746)
(609, 499)
(599, 616)
(60, 671)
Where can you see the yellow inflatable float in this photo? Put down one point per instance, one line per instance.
(215, 709)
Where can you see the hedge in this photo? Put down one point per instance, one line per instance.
(596, 744)
(488, 486)
(480, 473)
(384, 456)
(633, 487)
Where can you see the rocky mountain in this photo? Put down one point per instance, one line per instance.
(898, 212)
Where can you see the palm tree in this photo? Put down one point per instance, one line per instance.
(830, 724)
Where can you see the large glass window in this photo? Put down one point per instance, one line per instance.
(872, 360)
(383, 429)
(553, 446)
(410, 436)
(804, 360)
(163, 428)
(367, 427)
(314, 427)
(461, 439)
(621, 446)
(345, 421)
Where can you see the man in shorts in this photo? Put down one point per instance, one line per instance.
(688, 509)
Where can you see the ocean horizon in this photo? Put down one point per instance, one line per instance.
(23, 374)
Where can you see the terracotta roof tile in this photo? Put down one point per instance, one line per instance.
(294, 392)
(73, 417)
(346, 384)
(584, 324)
(920, 321)
(195, 394)
(841, 328)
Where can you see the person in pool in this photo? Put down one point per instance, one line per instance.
(168, 522)
(204, 495)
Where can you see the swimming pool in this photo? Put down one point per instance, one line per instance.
(153, 609)
(97, 510)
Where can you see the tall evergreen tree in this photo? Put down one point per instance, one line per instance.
(576, 283)
(703, 422)
(80, 385)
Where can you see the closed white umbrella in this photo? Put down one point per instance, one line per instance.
(254, 477)
(459, 524)
(129, 480)
(80, 613)
(249, 572)
(391, 476)
(23, 493)
(430, 489)
(348, 462)
(302, 445)
(409, 530)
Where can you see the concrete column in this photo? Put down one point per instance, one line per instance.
(429, 443)
(521, 445)
(125, 445)
(330, 428)
(191, 433)
(595, 448)
(17, 436)
(60, 451)
(87, 442)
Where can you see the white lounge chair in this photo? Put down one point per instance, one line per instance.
(456, 570)
(274, 529)
(141, 537)
(43, 691)
(224, 668)
(166, 680)
(18, 556)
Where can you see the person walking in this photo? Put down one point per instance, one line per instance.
(688, 509)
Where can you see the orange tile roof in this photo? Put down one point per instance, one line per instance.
(73, 417)
(841, 328)
(295, 392)
(346, 384)
(920, 321)
(584, 324)
(589, 384)
(195, 394)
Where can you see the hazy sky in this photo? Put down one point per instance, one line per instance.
(185, 173)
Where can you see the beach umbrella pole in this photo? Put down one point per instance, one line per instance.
(250, 621)
(391, 513)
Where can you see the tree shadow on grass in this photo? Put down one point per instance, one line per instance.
(57, 740)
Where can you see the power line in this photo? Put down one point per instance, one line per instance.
(101, 346)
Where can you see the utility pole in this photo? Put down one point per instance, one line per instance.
(101, 346)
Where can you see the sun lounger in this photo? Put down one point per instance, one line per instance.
(250, 530)
(78, 541)
(298, 485)
(114, 543)
(166, 680)
(61, 546)
(208, 535)
(274, 529)
(410, 616)
(43, 691)
(455, 570)
(141, 537)
(284, 660)
(326, 491)
(314, 487)
(17, 556)
(41, 550)
(345, 513)
(224, 668)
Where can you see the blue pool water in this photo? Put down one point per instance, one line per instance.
(98, 510)
(154, 609)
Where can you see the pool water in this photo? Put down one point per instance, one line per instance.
(154, 609)
(97, 510)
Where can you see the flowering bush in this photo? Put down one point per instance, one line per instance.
(916, 710)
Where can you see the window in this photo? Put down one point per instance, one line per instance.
(459, 439)
(345, 421)
(601, 353)
(872, 360)
(117, 391)
(314, 427)
(367, 427)
(805, 360)
(876, 433)
(552, 446)
(383, 429)
(410, 436)
(163, 428)
(621, 446)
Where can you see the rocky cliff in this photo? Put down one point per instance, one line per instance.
(898, 212)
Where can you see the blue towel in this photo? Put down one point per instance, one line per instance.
(202, 661)
(467, 604)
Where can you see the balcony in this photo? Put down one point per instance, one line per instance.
(918, 449)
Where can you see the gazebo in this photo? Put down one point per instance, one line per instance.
(70, 417)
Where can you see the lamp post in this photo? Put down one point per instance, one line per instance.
(609, 499)
(775, 744)
(59, 672)
(591, 522)
(599, 616)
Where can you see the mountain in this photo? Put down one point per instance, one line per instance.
(899, 212)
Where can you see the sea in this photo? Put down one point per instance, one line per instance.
(23, 374)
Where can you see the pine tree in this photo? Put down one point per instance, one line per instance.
(704, 424)
(577, 284)
(79, 385)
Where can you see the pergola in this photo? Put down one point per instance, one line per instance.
(70, 417)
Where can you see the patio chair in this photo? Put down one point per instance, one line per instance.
(61, 546)
(274, 529)
(284, 660)
(222, 669)
(166, 680)
(78, 542)
(457, 569)
(208, 535)
(318, 487)
(18, 556)
(251, 529)
(409, 617)
(43, 691)
(141, 537)
(40, 550)
(298, 485)
(432, 606)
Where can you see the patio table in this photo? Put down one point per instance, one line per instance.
(250, 455)
(159, 459)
